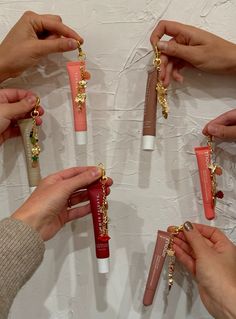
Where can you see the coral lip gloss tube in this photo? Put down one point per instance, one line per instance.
(75, 71)
(96, 197)
(34, 176)
(203, 159)
(157, 263)
(150, 110)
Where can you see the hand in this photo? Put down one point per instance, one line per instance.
(211, 258)
(14, 105)
(223, 127)
(47, 211)
(33, 37)
(190, 46)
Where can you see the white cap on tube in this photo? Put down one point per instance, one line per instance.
(32, 188)
(103, 265)
(81, 138)
(148, 142)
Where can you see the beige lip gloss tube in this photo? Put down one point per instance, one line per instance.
(157, 263)
(150, 110)
(34, 176)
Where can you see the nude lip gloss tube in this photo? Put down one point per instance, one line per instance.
(203, 160)
(96, 197)
(75, 70)
(157, 263)
(34, 176)
(150, 110)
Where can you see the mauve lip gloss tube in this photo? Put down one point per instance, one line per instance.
(150, 110)
(157, 263)
(203, 159)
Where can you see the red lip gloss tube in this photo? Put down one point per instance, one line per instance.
(203, 159)
(158, 259)
(99, 206)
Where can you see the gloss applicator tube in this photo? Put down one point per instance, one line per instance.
(203, 155)
(96, 194)
(150, 110)
(158, 259)
(33, 172)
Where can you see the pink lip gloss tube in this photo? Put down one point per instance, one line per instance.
(157, 264)
(75, 70)
(95, 193)
(203, 159)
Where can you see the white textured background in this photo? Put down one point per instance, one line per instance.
(151, 190)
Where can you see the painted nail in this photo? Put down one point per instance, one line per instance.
(72, 44)
(212, 129)
(31, 100)
(188, 226)
(162, 45)
(97, 172)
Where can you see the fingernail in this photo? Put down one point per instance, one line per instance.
(31, 100)
(72, 44)
(97, 172)
(188, 226)
(162, 45)
(212, 129)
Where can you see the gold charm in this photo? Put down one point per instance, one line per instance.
(82, 84)
(171, 254)
(215, 169)
(103, 236)
(35, 150)
(161, 90)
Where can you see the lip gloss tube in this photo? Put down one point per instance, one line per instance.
(157, 263)
(34, 176)
(203, 159)
(75, 70)
(96, 197)
(150, 110)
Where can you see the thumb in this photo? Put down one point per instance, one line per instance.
(222, 131)
(174, 49)
(12, 110)
(45, 47)
(195, 240)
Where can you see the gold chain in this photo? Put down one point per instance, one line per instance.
(35, 150)
(104, 207)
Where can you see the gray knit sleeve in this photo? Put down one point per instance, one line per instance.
(21, 252)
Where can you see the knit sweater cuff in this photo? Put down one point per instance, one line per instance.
(21, 252)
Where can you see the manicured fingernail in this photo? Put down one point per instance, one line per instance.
(212, 129)
(31, 100)
(97, 172)
(162, 45)
(72, 44)
(188, 226)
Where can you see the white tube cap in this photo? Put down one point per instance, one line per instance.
(103, 265)
(148, 142)
(81, 138)
(32, 188)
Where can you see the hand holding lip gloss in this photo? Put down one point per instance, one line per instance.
(78, 80)
(99, 210)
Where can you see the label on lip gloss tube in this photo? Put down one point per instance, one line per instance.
(80, 117)
(150, 109)
(158, 259)
(203, 160)
(96, 197)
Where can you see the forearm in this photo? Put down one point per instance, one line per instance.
(4, 74)
(21, 252)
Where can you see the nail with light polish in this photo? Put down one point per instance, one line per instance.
(162, 45)
(188, 226)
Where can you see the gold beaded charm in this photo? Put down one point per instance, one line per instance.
(35, 150)
(161, 90)
(171, 255)
(103, 236)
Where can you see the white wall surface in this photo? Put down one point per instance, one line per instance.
(151, 190)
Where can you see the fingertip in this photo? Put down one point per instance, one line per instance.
(39, 121)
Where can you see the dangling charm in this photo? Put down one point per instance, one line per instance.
(171, 255)
(103, 236)
(82, 83)
(215, 169)
(35, 149)
(161, 90)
